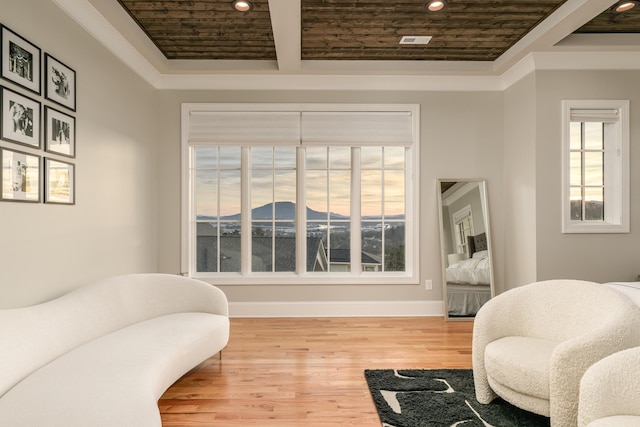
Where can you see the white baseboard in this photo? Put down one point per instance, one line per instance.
(337, 309)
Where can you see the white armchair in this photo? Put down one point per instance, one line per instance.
(610, 391)
(532, 344)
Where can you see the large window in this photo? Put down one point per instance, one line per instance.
(319, 194)
(595, 166)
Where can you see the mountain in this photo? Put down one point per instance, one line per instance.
(286, 211)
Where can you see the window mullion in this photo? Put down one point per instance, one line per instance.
(356, 217)
(193, 223)
(245, 211)
(273, 210)
(612, 174)
(383, 218)
(583, 187)
(301, 212)
(583, 164)
(218, 222)
(327, 184)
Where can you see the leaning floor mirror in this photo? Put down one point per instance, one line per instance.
(465, 246)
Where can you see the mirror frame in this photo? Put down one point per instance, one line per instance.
(482, 183)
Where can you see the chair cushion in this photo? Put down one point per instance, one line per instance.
(617, 421)
(521, 364)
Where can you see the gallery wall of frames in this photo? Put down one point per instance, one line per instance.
(37, 124)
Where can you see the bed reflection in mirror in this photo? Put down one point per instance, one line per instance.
(465, 245)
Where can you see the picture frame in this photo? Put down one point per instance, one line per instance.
(60, 132)
(19, 118)
(20, 60)
(20, 176)
(60, 83)
(59, 182)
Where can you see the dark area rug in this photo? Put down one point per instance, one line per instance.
(440, 397)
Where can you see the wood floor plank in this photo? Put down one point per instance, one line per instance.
(290, 372)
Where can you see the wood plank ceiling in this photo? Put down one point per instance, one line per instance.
(205, 29)
(611, 22)
(474, 30)
(466, 30)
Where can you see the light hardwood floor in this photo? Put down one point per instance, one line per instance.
(309, 371)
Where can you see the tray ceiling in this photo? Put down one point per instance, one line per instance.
(366, 30)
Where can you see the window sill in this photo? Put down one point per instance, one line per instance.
(288, 279)
(595, 227)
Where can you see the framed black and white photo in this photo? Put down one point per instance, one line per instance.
(60, 86)
(59, 182)
(20, 60)
(60, 132)
(20, 118)
(20, 176)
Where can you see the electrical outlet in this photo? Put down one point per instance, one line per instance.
(428, 284)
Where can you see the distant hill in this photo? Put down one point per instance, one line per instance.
(285, 211)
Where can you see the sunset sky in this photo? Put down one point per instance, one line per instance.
(327, 171)
(593, 160)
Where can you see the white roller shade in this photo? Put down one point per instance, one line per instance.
(357, 128)
(244, 127)
(593, 115)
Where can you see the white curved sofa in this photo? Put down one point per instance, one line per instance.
(610, 391)
(532, 344)
(103, 354)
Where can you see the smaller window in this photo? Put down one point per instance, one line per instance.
(463, 225)
(595, 167)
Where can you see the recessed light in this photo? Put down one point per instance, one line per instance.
(624, 6)
(435, 5)
(242, 5)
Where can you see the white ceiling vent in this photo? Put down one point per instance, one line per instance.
(415, 39)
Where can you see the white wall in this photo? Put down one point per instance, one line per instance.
(46, 250)
(520, 183)
(535, 247)
(597, 257)
(461, 137)
(127, 217)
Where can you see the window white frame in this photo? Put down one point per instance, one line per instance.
(616, 164)
(346, 117)
(462, 233)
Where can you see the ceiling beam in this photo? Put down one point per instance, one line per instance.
(566, 19)
(600, 42)
(286, 24)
